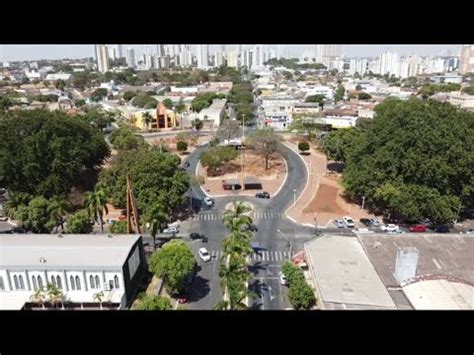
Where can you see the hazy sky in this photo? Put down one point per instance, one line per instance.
(35, 52)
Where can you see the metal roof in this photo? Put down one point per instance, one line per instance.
(70, 251)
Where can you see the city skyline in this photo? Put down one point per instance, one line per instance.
(37, 52)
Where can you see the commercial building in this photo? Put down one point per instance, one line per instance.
(214, 113)
(80, 265)
(466, 60)
(58, 76)
(102, 56)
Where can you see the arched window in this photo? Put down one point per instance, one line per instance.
(58, 282)
(35, 284)
(40, 282)
(53, 280)
(78, 283)
(22, 285)
(116, 281)
(97, 281)
(15, 280)
(71, 280)
(91, 281)
(2, 285)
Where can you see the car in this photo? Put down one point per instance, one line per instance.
(250, 227)
(339, 223)
(441, 229)
(204, 255)
(417, 228)
(283, 279)
(362, 231)
(366, 222)
(171, 230)
(263, 194)
(469, 231)
(390, 228)
(174, 224)
(375, 222)
(182, 299)
(187, 165)
(197, 236)
(208, 201)
(3, 218)
(348, 221)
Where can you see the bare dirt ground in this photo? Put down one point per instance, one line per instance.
(254, 165)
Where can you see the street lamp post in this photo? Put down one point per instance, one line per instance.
(363, 202)
(294, 197)
(288, 243)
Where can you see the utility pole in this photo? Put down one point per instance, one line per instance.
(242, 156)
(363, 202)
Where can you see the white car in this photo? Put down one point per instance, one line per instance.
(391, 228)
(174, 225)
(208, 201)
(283, 279)
(348, 221)
(171, 230)
(375, 222)
(204, 254)
(339, 223)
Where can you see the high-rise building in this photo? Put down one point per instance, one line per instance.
(466, 60)
(247, 58)
(148, 61)
(111, 50)
(164, 62)
(130, 58)
(218, 59)
(279, 51)
(118, 51)
(257, 57)
(202, 56)
(160, 50)
(389, 63)
(358, 66)
(232, 59)
(102, 56)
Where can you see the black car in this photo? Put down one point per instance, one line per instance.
(263, 194)
(366, 222)
(186, 164)
(250, 227)
(441, 229)
(197, 236)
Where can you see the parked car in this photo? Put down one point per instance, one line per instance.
(348, 221)
(339, 223)
(375, 222)
(390, 228)
(182, 299)
(204, 255)
(171, 230)
(418, 228)
(366, 222)
(283, 279)
(362, 231)
(208, 201)
(186, 164)
(263, 194)
(251, 227)
(469, 231)
(441, 228)
(197, 236)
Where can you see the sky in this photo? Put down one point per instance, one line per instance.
(35, 52)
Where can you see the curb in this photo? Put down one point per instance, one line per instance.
(284, 181)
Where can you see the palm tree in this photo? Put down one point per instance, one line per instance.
(39, 296)
(147, 117)
(98, 297)
(158, 219)
(55, 294)
(179, 109)
(16, 201)
(57, 209)
(233, 275)
(237, 244)
(96, 204)
(234, 218)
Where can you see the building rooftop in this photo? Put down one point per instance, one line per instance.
(70, 251)
(344, 274)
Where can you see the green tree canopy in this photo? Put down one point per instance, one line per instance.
(413, 159)
(469, 90)
(301, 296)
(144, 101)
(168, 103)
(174, 262)
(339, 94)
(79, 223)
(128, 95)
(46, 153)
(303, 146)
(364, 96)
(265, 142)
(154, 303)
(124, 139)
(98, 94)
(217, 156)
(182, 146)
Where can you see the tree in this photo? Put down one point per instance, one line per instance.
(316, 98)
(96, 204)
(5, 103)
(119, 227)
(236, 216)
(364, 96)
(79, 223)
(181, 146)
(79, 102)
(309, 125)
(358, 87)
(203, 101)
(174, 262)
(197, 124)
(154, 303)
(144, 101)
(412, 160)
(158, 219)
(128, 95)
(300, 295)
(55, 294)
(265, 142)
(98, 296)
(292, 272)
(229, 129)
(337, 143)
(57, 209)
(469, 90)
(60, 85)
(339, 95)
(36, 217)
(98, 94)
(124, 139)
(46, 153)
(216, 157)
(168, 103)
(287, 75)
(147, 117)
(39, 296)
(303, 146)
(15, 202)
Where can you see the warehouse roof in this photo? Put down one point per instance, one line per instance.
(67, 251)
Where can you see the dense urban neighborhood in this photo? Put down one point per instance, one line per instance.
(237, 177)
